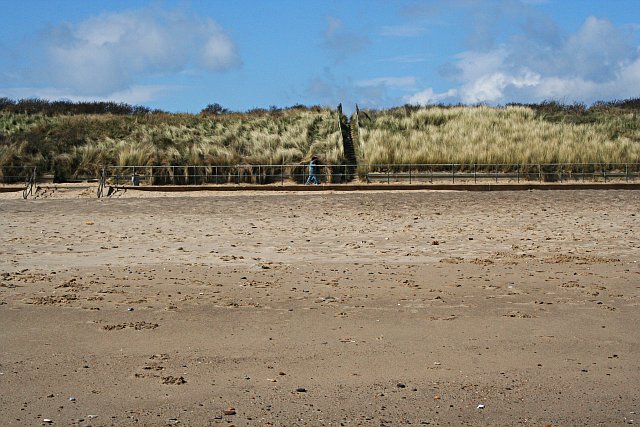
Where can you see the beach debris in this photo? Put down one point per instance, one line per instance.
(480, 406)
(171, 380)
(400, 385)
(47, 420)
(130, 309)
(72, 399)
(229, 411)
(92, 416)
(301, 390)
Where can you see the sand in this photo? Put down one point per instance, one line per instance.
(375, 309)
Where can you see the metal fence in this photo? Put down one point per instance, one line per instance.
(454, 173)
(16, 174)
(373, 173)
(236, 174)
(18, 177)
(506, 173)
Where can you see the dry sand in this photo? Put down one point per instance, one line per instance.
(390, 308)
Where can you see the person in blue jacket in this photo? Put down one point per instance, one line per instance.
(313, 171)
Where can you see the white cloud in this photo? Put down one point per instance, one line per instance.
(113, 54)
(395, 82)
(597, 62)
(491, 87)
(428, 96)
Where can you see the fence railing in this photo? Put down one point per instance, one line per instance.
(16, 175)
(372, 173)
(236, 174)
(483, 173)
(454, 173)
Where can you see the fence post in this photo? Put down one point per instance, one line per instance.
(453, 173)
(409, 174)
(561, 173)
(539, 172)
(518, 173)
(626, 172)
(604, 174)
(496, 173)
(281, 174)
(475, 176)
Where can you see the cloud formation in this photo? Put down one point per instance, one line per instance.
(597, 62)
(113, 54)
(397, 82)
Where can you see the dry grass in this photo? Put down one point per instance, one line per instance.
(76, 145)
(485, 135)
(71, 145)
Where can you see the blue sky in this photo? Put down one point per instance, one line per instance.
(183, 55)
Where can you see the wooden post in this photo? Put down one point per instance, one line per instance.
(626, 172)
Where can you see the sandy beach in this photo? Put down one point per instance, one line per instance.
(319, 309)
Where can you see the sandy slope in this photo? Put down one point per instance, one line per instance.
(387, 308)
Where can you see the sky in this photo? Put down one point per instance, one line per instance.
(183, 55)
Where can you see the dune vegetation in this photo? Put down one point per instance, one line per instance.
(73, 145)
(515, 134)
(71, 140)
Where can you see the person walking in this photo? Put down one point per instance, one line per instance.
(313, 171)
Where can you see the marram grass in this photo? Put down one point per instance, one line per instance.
(486, 135)
(72, 145)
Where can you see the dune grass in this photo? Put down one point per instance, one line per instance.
(487, 135)
(80, 145)
(64, 141)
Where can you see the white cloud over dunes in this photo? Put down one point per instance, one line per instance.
(597, 62)
(116, 53)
